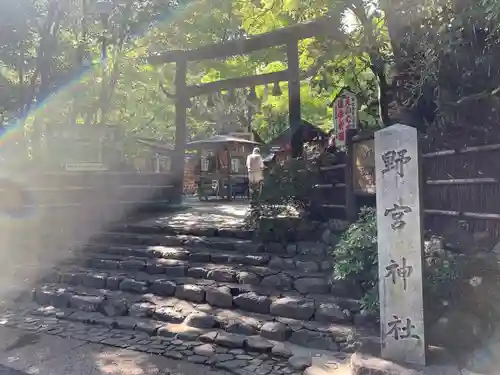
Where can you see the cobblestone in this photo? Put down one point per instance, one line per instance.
(223, 357)
(232, 365)
(197, 359)
(173, 355)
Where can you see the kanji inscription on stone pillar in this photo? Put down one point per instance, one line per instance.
(399, 244)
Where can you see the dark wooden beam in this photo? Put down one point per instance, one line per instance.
(180, 126)
(350, 199)
(294, 116)
(321, 26)
(235, 83)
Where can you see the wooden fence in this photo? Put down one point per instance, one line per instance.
(461, 188)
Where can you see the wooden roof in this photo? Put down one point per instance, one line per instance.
(155, 144)
(309, 132)
(162, 146)
(218, 139)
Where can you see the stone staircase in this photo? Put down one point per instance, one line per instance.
(208, 295)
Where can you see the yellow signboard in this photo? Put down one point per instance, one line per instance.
(364, 167)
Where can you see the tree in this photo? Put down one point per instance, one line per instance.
(47, 58)
(446, 69)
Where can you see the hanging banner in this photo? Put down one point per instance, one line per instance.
(345, 115)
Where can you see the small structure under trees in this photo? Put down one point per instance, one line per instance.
(221, 166)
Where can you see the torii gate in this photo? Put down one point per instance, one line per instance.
(288, 36)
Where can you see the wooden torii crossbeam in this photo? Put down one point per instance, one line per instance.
(289, 36)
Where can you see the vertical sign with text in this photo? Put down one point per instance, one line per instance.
(399, 244)
(345, 115)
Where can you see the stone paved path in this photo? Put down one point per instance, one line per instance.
(25, 353)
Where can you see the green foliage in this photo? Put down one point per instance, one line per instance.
(288, 185)
(460, 292)
(356, 261)
(286, 194)
(286, 191)
(356, 255)
(44, 44)
(446, 71)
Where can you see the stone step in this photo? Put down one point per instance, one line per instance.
(237, 354)
(318, 308)
(128, 238)
(307, 279)
(203, 231)
(293, 260)
(77, 275)
(315, 249)
(291, 229)
(154, 315)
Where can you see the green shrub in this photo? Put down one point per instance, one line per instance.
(289, 187)
(356, 261)
(286, 188)
(356, 257)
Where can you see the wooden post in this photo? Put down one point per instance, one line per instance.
(350, 203)
(229, 182)
(294, 116)
(180, 128)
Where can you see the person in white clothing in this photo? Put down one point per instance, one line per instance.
(255, 166)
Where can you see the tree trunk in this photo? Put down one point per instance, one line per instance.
(401, 106)
(377, 63)
(45, 51)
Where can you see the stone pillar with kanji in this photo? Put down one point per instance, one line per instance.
(399, 228)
